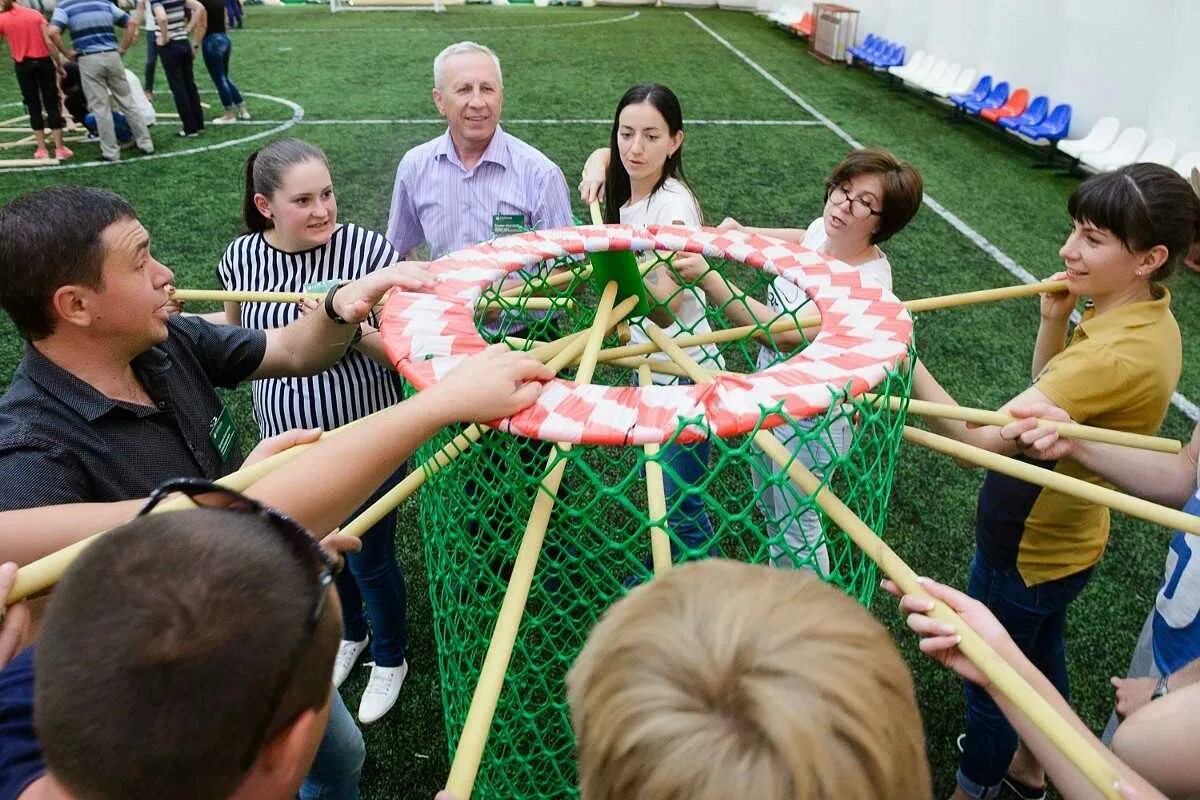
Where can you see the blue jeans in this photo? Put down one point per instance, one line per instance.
(124, 134)
(216, 49)
(1035, 617)
(684, 466)
(339, 760)
(373, 575)
(151, 60)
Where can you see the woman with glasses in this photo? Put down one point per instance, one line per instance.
(869, 197)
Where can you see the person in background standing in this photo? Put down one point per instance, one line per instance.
(29, 45)
(178, 53)
(146, 19)
(216, 47)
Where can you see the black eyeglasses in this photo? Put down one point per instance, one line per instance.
(858, 207)
(307, 550)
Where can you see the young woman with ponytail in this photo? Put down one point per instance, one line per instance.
(295, 243)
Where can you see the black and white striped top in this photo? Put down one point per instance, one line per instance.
(353, 387)
(176, 18)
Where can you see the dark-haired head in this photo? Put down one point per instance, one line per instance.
(617, 187)
(266, 170)
(52, 238)
(167, 642)
(1149, 208)
(902, 186)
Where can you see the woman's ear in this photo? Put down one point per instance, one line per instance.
(1151, 260)
(676, 141)
(262, 204)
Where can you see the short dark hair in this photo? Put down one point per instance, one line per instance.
(1143, 205)
(164, 643)
(902, 187)
(51, 238)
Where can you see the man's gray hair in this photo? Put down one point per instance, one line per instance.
(460, 48)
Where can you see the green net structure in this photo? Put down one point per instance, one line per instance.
(724, 498)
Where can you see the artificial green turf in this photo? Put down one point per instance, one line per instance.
(377, 66)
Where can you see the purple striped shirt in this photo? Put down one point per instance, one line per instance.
(438, 202)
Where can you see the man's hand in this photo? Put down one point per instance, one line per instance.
(495, 383)
(1131, 694)
(273, 445)
(14, 621)
(939, 640)
(354, 301)
(1042, 443)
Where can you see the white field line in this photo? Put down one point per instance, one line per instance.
(440, 121)
(380, 29)
(979, 240)
(277, 126)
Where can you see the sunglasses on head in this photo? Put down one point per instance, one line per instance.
(306, 549)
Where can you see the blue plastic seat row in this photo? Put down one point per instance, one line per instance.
(1034, 123)
(879, 52)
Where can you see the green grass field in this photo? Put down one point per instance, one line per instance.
(358, 86)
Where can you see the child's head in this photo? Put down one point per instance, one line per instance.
(871, 195)
(722, 679)
(1130, 225)
(289, 188)
(646, 143)
(187, 655)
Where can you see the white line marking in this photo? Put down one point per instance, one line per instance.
(381, 29)
(999, 256)
(279, 127)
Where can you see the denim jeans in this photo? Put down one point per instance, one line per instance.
(795, 533)
(1035, 617)
(216, 49)
(151, 60)
(373, 575)
(336, 768)
(683, 466)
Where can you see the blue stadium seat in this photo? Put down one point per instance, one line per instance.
(867, 44)
(978, 93)
(895, 59)
(1053, 129)
(995, 99)
(1034, 114)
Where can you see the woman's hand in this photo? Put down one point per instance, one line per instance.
(14, 621)
(1043, 443)
(591, 186)
(1057, 306)
(691, 267)
(730, 224)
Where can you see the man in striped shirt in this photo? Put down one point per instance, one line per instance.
(475, 181)
(98, 53)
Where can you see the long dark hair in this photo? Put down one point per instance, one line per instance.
(616, 180)
(1143, 205)
(265, 169)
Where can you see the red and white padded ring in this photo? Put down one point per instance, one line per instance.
(865, 330)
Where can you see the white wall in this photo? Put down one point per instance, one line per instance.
(1137, 61)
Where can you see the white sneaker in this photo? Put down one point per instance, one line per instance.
(243, 114)
(382, 692)
(223, 121)
(347, 656)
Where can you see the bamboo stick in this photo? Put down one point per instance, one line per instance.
(1071, 430)
(220, 296)
(1170, 518)
(789, 324)
(656, 496)
(469, 753)
(1000, 673)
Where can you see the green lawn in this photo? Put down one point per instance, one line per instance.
(377, 66)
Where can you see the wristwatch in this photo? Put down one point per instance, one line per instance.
(1160, 688)
(329, 310)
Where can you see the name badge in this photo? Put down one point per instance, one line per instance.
(504, 224)
(222, 432)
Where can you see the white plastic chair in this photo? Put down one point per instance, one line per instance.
(933, 66)
(1187, 162)
(914, 65)
(960, 83)
(1099, 138)
(1125, 150)
(1160, 151)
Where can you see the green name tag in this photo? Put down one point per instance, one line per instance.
(223, 432)
(504, 224)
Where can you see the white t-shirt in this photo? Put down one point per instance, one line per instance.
(785, 297)
(674, 203)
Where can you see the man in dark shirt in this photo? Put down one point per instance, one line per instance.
(113, 396)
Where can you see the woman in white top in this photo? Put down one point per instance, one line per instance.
(869, 196)
(295, 243)
(646, 186)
